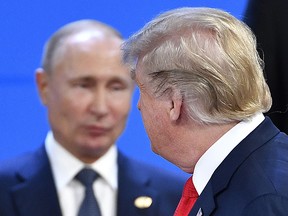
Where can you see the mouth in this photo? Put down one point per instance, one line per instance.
(96, 130)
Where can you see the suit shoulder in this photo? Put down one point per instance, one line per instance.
(158, 175)
(265, 170)
(9, 167)
(273, 161)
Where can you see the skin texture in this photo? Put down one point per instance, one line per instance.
(87, 94)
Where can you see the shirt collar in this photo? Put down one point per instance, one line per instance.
(65, 166)
(214, 156)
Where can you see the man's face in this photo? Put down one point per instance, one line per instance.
(88, 96)
(153, 113)
(164, 129)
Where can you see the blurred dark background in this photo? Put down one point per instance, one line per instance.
(269, 21)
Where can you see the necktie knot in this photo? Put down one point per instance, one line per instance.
(87, 176)
(189, 189)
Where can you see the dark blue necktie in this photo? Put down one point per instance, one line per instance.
(89, 206)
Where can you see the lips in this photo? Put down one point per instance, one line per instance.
(96, 130)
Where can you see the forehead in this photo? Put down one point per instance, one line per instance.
(88, 46)
(91, 57)
(97, 44)
(94, 41)
(87, 35)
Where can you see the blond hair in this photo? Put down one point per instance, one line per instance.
(207, 55)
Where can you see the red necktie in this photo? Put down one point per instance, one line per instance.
(189, 197)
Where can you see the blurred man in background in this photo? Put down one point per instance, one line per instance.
(79, 171)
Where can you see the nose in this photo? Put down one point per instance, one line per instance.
(99, 103)
(138, 105)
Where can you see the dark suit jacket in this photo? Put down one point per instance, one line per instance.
(27, 187)
(252, 180)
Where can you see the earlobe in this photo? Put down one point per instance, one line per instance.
(42, 82)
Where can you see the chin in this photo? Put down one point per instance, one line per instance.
(92, 145)
(157, 152)
(93, 153)
(153, 149)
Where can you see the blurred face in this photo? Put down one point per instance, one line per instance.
(88, 96)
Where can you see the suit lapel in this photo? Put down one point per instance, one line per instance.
(222, 175)
(133, 184)
(36, 194)
(205, 203)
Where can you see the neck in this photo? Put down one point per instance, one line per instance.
(196, 140)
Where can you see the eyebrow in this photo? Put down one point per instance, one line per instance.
(89, 78)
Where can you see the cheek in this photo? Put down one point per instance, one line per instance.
(69, 105)
(149, 119)
(153, 119)
(121, 106)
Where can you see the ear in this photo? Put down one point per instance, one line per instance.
(42, 84)
(176, 105)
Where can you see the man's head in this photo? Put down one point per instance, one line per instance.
(208, 57)
(85, 87)
(199, 74)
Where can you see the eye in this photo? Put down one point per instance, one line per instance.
(84, 83)
(117, 86)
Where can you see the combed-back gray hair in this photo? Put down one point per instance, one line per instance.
(56, 41)
(207, 55)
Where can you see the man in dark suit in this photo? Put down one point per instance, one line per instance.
(200, 76)
(87, 91)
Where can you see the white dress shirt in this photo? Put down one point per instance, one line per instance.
(214, 156)
(71, 192)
